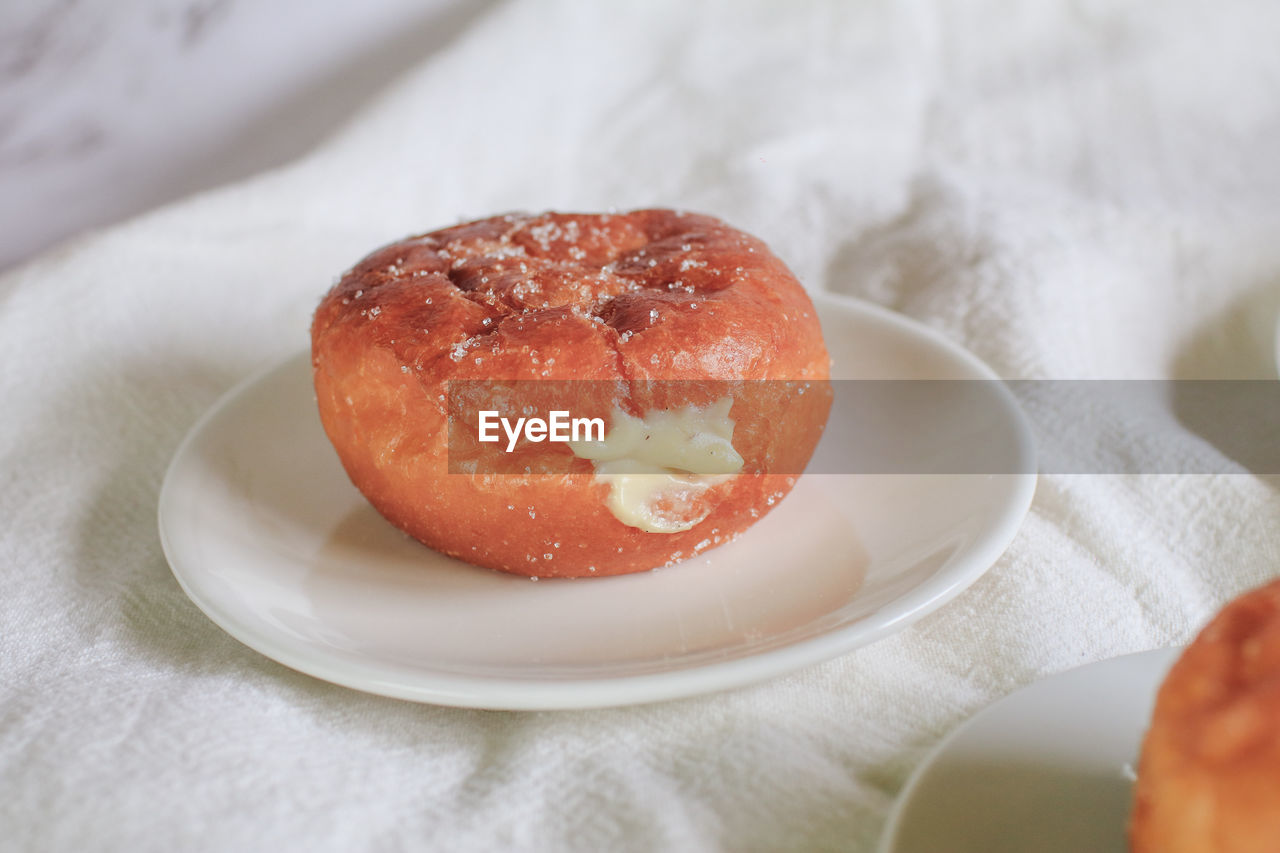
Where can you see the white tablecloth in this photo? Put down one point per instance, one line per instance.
(1071, 189)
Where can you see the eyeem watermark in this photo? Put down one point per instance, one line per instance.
(931, 427)
(558, 426)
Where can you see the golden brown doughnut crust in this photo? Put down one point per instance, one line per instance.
(1209, 777)
(651, 294)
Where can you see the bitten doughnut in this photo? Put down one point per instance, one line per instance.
(1209, 776)
(661, 325)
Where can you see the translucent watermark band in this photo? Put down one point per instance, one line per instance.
(895, 426)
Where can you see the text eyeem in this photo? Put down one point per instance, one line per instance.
(558, 426)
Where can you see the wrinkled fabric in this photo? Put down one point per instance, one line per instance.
(1082, 190)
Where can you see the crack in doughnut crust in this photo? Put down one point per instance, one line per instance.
(1209, 777)
(623, 298)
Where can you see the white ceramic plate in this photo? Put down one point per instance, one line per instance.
(1048, 768)
(268, 537)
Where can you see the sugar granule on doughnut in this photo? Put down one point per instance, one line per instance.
(692, 328)
(1209, 775)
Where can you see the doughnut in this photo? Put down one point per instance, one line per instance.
(1209, 774)
(684, 346)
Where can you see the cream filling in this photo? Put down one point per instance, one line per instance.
(657, 467)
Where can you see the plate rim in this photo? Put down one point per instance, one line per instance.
(506, 693)
(1276, 344)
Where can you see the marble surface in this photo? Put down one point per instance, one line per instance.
(110, 109)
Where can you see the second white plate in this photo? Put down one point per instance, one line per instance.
(268, 537)
(1048, 768)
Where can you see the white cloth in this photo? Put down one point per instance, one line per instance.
(1071, 189)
